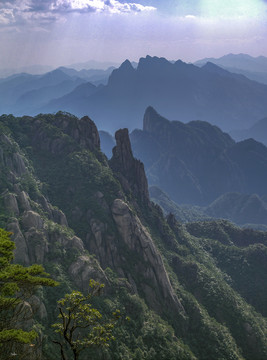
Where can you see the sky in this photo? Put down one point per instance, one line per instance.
(62, 32)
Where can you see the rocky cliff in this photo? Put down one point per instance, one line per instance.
(82, 217)
(130, 171)
(40, 230)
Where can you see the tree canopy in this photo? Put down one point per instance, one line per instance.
(17, 284)
(80, 325)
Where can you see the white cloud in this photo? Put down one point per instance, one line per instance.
(108, 6)
(192, 17)
(6, 16)
(21, 11)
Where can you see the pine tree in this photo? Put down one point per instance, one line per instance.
(17, 284)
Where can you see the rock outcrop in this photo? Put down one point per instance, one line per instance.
(83, 130)
(146, 260)
(130, 171)
(182, 273)
(40, 230)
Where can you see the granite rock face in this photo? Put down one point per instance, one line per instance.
(40, 230)
(130, 171)
(83, 130)
(80, 131)
(148, 262)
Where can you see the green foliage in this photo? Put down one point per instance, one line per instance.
(17, 284)
(18, 336)
(144, 335)
(80, 325)
(211, 265)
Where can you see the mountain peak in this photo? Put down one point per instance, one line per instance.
(150, 62)
(211, 67)
(56, 74)
(150, 111)
(126, 65)
(122, 73)
(130, 171)
(151, 118)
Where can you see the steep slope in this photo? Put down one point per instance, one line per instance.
(172, 268)
(196, 162)
(66, 156)
(42, 235)
(179, 90)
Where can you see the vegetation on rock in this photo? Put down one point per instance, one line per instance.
(187, 289)
(17, 285)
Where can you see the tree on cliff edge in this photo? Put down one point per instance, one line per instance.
(80, 325)
(17, 284)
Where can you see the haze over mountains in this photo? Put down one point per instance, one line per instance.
(180, 91)
(42, 69)
(193, 292)
(196, 162)
(258, 131)
(26, 93)
(255, 68)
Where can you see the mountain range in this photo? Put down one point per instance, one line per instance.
(258, 131)
(180, 91)
(190, 292)
(26, 93)
(254, 68)
(195, 163)
(248, 211)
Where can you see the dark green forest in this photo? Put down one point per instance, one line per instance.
(184, 291)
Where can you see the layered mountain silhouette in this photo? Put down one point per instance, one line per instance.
(241, 209)
(255, 68)
(258, 132)
(179, 90)
(195, 163)
(194, 291)
(27, 94)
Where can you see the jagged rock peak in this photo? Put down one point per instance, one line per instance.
(126, 65)
(125, 71)
(83, 130)
(153, 62)
(131, 171)
(123, 150)
(151, 119)
(211, 67)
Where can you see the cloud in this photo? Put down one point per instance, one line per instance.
(20, 11)
(107, 6)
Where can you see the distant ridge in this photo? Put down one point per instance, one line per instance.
(179, 90)
(258, 132)
(255, 68)
(195, 163)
